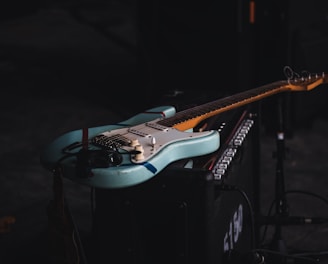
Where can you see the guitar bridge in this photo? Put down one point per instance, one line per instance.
(110, 143)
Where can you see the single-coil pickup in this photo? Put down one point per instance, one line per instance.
(157, 126)
(138, 132)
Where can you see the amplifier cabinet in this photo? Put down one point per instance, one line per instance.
(180, 216)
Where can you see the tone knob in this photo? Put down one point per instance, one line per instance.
(134, 142)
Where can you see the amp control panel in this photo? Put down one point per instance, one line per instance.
(231, 149)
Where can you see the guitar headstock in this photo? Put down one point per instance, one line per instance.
(305, 81)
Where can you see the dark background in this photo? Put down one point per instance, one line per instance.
(69, 64)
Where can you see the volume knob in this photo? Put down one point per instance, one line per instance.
(140, 155)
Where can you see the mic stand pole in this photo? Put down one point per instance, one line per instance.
(280, 194)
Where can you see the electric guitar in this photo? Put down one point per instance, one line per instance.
(135, 150)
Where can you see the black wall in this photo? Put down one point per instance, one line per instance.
(195, 46)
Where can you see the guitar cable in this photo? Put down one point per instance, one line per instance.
(258, 255)
(62, 226)
(87, 159)
(300, 220)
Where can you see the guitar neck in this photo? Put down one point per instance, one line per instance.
(190, 118)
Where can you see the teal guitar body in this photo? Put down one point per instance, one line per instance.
(127, 153)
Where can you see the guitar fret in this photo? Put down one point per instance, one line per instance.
(230, 101)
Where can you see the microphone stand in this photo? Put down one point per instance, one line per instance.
(280, 193)
(277, 243)
(282, 217)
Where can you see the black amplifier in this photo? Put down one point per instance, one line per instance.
(195, 211)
